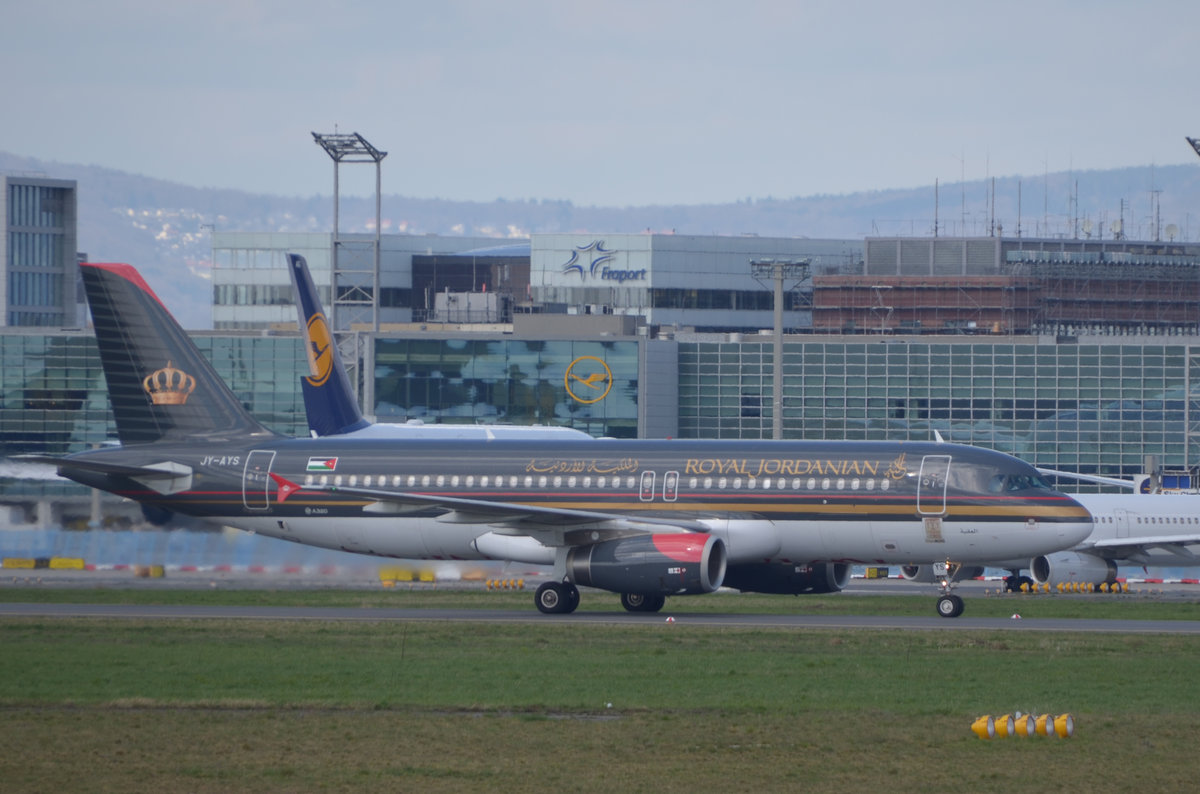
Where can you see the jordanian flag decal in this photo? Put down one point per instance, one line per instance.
(321, 464)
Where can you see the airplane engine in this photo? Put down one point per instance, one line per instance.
(1070, 566)
(787, 578)
(924, 573)
(158, 516)
(682, 564)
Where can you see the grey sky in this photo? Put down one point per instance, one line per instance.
(610, 102)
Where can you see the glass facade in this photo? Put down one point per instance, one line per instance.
(264, 372)
(1086, 408)
(510, 381)
(53, 398)
(39, 225)
(259, 295)
(1093, 408)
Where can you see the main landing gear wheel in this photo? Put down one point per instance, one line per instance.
(640, 602)
(950, 606)
(556, 598)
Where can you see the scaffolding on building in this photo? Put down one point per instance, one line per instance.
(1118, 295)
(923, 304)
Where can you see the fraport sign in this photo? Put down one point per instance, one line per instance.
(594, 261)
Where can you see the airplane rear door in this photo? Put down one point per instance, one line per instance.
(256, 485)
(931, 485)
(1121, 519)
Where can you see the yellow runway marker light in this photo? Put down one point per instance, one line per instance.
(984, 727)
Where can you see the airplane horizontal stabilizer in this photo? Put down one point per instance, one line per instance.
(166, 477)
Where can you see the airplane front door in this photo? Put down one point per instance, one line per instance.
(256, 484)
(931, 485)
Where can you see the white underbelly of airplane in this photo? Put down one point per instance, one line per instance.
(892, 542)
(925, 540)
(935, 539)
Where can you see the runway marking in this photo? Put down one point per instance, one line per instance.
(141, 612)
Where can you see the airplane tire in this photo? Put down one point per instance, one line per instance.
(634, 602)
(553, 598)
(572, 598)
(950, 606)
(641, 602)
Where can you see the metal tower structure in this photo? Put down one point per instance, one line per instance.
(778, 270)
(354, 298)
(1191, 420)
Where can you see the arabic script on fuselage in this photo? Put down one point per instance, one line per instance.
(576, 466)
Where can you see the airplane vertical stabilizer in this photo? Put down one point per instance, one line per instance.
(160, 386)
(328, 399)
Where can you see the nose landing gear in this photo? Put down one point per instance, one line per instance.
(949, 605)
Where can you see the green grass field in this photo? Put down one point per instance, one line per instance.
(244, 705)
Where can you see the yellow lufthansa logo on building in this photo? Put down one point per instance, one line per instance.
(319, 346)
(588, 379)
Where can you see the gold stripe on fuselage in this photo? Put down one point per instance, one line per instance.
(1021, 511)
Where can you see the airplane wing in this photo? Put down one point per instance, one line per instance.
(1096, 478)
(553, 526)
(1130, 548)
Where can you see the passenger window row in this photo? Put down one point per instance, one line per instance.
(1172, 520)
(573, 481)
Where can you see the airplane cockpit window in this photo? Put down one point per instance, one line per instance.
(1022, 482)
(1016, 482)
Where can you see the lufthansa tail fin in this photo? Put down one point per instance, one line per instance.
(328, 399)
(159, 384)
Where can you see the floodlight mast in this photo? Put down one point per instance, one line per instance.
(1192, 432)
(778, 270)
(352, 303)
(352, 148)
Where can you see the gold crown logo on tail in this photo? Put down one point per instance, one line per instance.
(169, 386)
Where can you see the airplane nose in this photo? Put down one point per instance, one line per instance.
(1078, 527)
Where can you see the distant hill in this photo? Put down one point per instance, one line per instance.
(163, 227)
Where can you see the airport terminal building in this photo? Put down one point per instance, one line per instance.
(1072, 354)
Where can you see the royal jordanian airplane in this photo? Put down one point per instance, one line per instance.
(645, 519)
(1128, 529)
